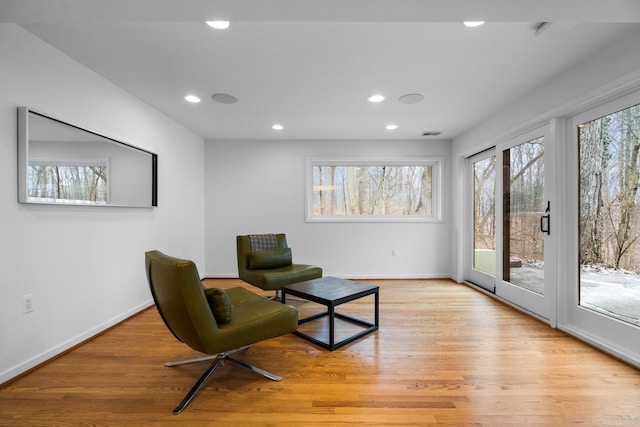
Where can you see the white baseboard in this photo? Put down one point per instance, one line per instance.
(348, 276)
(388, 276)
(583, 336)
(25, 366)
(574, 332)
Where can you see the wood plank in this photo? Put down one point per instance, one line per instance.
(445, 355)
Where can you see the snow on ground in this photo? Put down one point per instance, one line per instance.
(611, 292)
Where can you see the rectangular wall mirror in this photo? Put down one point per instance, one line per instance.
(60, 163)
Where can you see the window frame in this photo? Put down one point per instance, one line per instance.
(436, 163)
(607, 333)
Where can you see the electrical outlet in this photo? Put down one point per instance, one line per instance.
(394, 252)
(27, 303)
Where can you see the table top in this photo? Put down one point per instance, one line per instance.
(329, 289)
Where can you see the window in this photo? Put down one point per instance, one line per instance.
(484, 214)
(524, 206)
(609, 214)
(68, 182)
(374, 190)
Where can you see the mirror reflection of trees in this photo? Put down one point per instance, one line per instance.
(372, 190)
(68, 182)
(609, 181)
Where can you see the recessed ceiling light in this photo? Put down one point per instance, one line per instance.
(411, 98)
(218, 25)
(472, 24)
(277, 127)
(224, 98)
(192, 98)
(391, 127)
(376, 98)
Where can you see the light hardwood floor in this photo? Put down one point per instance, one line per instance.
(446, 355)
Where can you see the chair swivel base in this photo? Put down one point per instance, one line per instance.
(218, 359)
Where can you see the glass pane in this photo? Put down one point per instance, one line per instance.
(523, 175)
(484, 215)
(372, 190)
(610, 215)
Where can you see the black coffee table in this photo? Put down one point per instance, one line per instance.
(331, 292)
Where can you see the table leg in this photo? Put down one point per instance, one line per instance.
(332, 324)
(332, 345)
(377, 309)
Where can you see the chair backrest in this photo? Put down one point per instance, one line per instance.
(243, 247)
(180, 300)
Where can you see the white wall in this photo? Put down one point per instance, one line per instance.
(258, 187)
(83, 265)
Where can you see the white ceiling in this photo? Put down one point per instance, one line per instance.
(311, 65)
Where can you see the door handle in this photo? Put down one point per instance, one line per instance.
(545, 220)
(545, 224)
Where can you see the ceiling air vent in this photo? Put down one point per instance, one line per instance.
(540, 27)
(431, 133)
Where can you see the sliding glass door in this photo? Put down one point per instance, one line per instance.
(482, 271)
(511, 222)
(526, 223)
(554, 228)
(602, 298)
(609, 214)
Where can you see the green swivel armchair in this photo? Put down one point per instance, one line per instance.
(265, 261)
(212, 321)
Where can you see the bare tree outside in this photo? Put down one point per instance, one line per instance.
(484, 203)
(372, 190)
(609, 180)
(609, 222)
(484, 215)
(523, 174)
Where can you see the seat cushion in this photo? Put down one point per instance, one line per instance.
(275, 278)
(256, 318)
(271, 258)
(220, 304)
